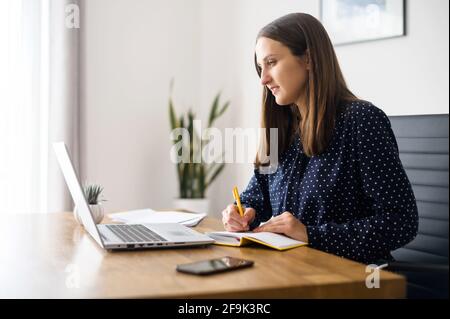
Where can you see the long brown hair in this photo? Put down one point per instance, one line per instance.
(325, 88)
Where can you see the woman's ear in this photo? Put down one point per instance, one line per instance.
(307, 59)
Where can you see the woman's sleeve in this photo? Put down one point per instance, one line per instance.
(391, 218)
(256, 196)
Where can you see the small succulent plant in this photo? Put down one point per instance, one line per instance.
(92, 193)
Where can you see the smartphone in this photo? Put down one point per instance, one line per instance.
(212, 266)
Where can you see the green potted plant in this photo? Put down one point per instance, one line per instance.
(194, 178)
(92, 194)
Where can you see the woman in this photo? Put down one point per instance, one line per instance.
(339, 184)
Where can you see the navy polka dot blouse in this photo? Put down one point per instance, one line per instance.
(354, 199)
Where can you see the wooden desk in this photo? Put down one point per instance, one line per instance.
(50, 256)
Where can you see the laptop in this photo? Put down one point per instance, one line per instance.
(125, 236)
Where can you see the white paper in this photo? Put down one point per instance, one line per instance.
(193, 222)
(149, 216)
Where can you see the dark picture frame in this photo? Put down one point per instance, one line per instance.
(354, 21)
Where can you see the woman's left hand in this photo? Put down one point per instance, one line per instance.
(286, 224)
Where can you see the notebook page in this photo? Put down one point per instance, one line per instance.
(232, 240)
(276, 240)
(231, 234)
(271, 239)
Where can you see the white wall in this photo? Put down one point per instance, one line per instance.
(131, 49)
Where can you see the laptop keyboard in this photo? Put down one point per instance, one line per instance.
(135, 233)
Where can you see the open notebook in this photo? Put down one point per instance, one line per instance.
(276, 241)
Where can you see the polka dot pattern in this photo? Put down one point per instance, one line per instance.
(355, 198)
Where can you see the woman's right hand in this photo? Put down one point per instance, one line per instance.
(232, 220)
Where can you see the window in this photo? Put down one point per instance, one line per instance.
(23, 104)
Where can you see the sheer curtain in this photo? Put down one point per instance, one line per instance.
(38, 103)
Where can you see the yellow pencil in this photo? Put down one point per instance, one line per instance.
(238, 201)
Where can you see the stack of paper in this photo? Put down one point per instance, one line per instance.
(149, 216)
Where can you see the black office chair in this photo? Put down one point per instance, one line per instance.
(423, 145)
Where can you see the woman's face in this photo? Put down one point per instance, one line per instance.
(284, 74)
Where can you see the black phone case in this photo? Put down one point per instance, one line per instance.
(248, 263)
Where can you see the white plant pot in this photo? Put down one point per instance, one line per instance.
(97, 214)
(194, 205)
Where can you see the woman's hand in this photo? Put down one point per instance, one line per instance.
(286, 224)
(232, 220)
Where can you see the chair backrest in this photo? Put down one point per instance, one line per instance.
(423, 145)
